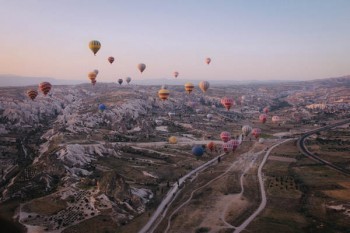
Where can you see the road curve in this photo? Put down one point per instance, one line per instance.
(306, 152)
(262, 190)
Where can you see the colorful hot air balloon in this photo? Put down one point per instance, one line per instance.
(261, 140)
(263, 118)
(225, 136)
(256, 132)
(197, 151)
(141, 67)
(275, 119)
(32, 94)
(204, 85)
(128, 80)
(234, 144)
(266, 109)
(210, 116)
(92, 75)
(96, 71)
(189, 87)
(246, 130)
(227, 147)
(163, 94)
(94, 45)
(227, 102)
(172, 140)
(45, 87)
(176, 74)
(211, 146)
(111, 59)
(120, 81)
(101, 107)
(208, 60)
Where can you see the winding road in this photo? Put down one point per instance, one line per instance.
(306, 152)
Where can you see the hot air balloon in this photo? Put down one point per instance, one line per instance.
(101, 107)
(111, 59)
(176, 74)
(159, 121)
(197, 151)
(256, 132)
(227, 147)
(171, 114)
(120, 81)
(164, 86)
(275, 119)
(172, 140)
(227, 102)
(225, 136)
(261, 140)
(163, 94)
(141, 67)
(210, 116)
(189, 87)
(208, 60)
(246, 130)
(32, 94)
(93, 82)
(211, 146)
(266, 110)
(96, 71)
(234, 144)
(92, 75)
(94, 45)
(263, 118)
(45, 87)
(204, 85)
(128, 80)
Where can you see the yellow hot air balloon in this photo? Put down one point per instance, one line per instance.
(163, 94)
(189, 87)
(94, 45)
(172, 140)
(92, 75)
(204, 85)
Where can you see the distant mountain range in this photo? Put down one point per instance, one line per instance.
(15, 80)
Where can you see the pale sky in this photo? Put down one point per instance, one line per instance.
(246, 39)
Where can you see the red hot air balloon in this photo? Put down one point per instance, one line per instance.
(32, 94)
(263, 118)
(256, 132)
(45, 87)
(234, 144)
(225, 136)
(227, 147)
(111, 59)
(176, 74)
(211, 146)
(275, 119)
(227, 102)
(266, 110)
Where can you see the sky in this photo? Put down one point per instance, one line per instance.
(246, 40)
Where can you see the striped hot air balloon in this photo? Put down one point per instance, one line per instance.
(163, 94)
(32, 94)
(189, 87)
(234, 144)
(204, 85)
(94, 45)
(246, 130)
(45, 87)
(227, 147)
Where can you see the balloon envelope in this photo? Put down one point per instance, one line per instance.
(204, 85)
(94, 45)
(141, 67)
(197, 151)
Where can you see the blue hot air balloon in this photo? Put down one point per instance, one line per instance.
(197, 151)
(101, 107)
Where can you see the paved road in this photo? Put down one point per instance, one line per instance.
(262, 191)
(171, 194)
(306, 152)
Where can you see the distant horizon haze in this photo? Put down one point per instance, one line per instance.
(246, 40)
